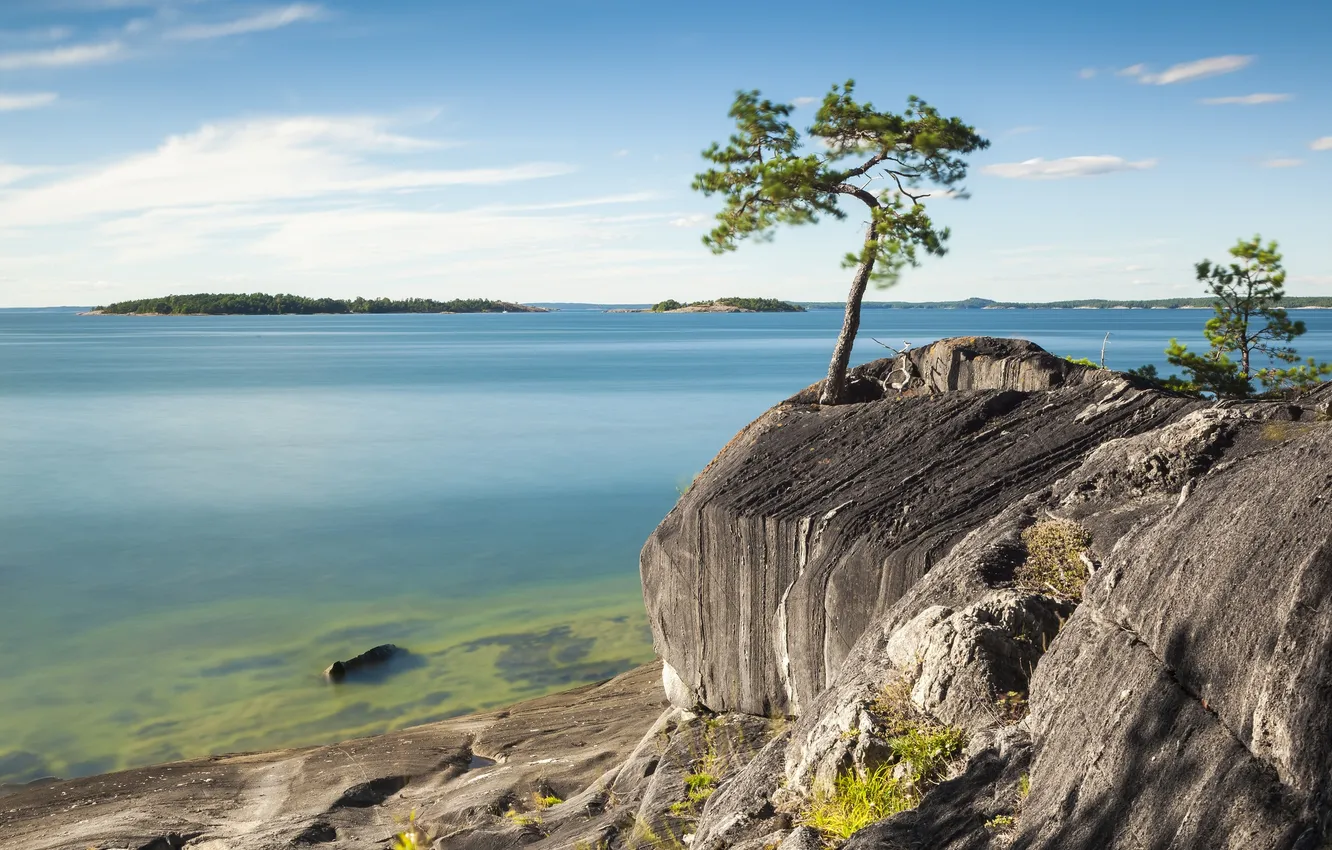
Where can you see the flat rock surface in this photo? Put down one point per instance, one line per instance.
(356, 794)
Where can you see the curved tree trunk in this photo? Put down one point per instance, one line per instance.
(834, 388)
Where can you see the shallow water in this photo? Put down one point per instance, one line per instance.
(198, 514)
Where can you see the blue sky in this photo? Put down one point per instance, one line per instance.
(543, 150)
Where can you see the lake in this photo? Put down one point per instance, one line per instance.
(197, 515)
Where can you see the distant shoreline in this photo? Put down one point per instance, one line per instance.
(1290, 303)
(283, 304)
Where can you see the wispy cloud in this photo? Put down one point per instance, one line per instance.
(251, 162)
(1069, 166)
(1256, 99)
(13, 102)
(13, 173)
(270, 19)
(61, 57)
(1186, 72)
(692, 220)
(1282, 162)
(577, 203)
(40, 34)
(803, 101)
(1022, 130)
(1087, 73)
(1322, 144)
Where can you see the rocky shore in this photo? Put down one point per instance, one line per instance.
(1106, 608)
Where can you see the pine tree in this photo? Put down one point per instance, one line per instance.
(1248, 321)
(769, 175)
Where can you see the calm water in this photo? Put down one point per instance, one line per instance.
(198, 514)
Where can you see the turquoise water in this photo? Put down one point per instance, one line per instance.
(198, 514)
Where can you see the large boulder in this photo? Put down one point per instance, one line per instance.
(1184, 702)
(815, 520)
(1194, 679)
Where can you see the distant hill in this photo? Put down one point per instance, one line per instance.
(1290, 301)
(727, 305)
(260, 304)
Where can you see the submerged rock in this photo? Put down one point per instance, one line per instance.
(339, 670)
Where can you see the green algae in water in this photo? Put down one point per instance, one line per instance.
(208, 689)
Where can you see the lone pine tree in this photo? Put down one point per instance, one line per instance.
(768, 174)
(1248, 321)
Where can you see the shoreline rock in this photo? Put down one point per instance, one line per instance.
(338, 671)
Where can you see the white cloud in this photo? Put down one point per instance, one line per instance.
(691, 221)
(1022, 131)
(622, 152)
(1282, 162)
(1248, 99)
(12, 102)
(247, 163)
(61, 57)
(1087, 73)
(13, 173)
(348, 238)
(803, 101)
(1186, 72)
(603, 200)
(1323, 144)
(270, 19)
(1069, 166)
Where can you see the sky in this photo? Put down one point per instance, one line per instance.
(544, 150)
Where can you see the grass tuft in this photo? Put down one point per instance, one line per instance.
(1012, 706)
(1057, 557)
(921, 758)
(893, 709)
(413, 837)
(856, 802)
(927, 752)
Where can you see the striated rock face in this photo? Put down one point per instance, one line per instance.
(816, 520)
(1184, 703)
(1197, 672)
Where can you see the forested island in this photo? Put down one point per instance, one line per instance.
(262, 304)
(727, 305)
(1289, 302)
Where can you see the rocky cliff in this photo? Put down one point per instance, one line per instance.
(999, 601)
(1179, 699)
(816, 520)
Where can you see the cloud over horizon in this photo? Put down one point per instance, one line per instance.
(1186, 72)
(1069, 166)
(1256, 99)
(62, 57)
(33, 100)
(270, 19)
(250, 162)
